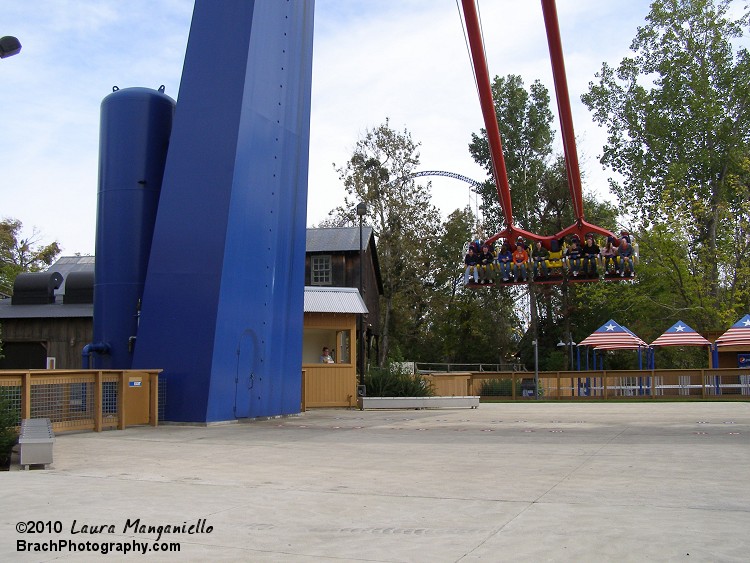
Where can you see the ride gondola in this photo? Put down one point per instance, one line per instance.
(564, 267)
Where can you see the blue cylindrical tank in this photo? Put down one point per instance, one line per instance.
(134, 136)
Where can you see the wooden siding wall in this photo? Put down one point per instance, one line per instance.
(333, 321)
(332, 385)
(451, 385)
(345, 273)
(64, 338)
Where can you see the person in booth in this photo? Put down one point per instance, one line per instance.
(325, 356)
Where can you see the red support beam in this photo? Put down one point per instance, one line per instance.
(563, 106)
(473, 31)
(500, 173)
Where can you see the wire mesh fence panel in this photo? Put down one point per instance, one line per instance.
(110, 400)
(726, 385)
(679, 384)
(497, 387)
(10, 391)
(71, 399)
(68, 402)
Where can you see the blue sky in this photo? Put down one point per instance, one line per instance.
(372, 59)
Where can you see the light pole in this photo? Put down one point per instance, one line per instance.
(569, 345)
(361, 212)
(9, 46)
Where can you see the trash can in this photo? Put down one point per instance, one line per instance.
(527, 388)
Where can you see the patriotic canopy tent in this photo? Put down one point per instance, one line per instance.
(680, 334)
(612, 336)
(737, 335)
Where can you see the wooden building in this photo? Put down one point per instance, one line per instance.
(49, 318)
(47, 323)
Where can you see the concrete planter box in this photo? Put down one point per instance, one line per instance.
(471, 402)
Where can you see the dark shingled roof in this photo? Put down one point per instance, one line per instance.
(67, 264)
(46, 311)
(337, 239)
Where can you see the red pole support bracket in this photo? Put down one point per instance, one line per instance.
(481, 72)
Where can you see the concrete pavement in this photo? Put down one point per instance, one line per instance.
(506, 482)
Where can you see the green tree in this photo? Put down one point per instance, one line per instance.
(463, 325)
(379, 174)
(678, 128)
(19, 254)
(525, 123)
(541, 204)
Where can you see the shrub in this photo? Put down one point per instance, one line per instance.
(8, 433)
(393, 380)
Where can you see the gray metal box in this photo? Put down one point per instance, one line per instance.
(36, 441)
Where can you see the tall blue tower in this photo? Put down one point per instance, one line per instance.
(222, 306)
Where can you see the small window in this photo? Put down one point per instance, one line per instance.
(320, 270)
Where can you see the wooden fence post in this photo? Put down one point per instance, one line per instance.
(153, 411)
(26, 395)
(123, 385)
(98, 401)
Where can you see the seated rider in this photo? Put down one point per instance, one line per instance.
(486, 260)
(471, 260)
(590, 251)
(540, 255)
(573, 254)
(504, 260)
(625, 254)
(609, 256)
(520, 258)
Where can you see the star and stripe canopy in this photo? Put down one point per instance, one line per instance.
(737, 335)
(612, 336)
(680, 334)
